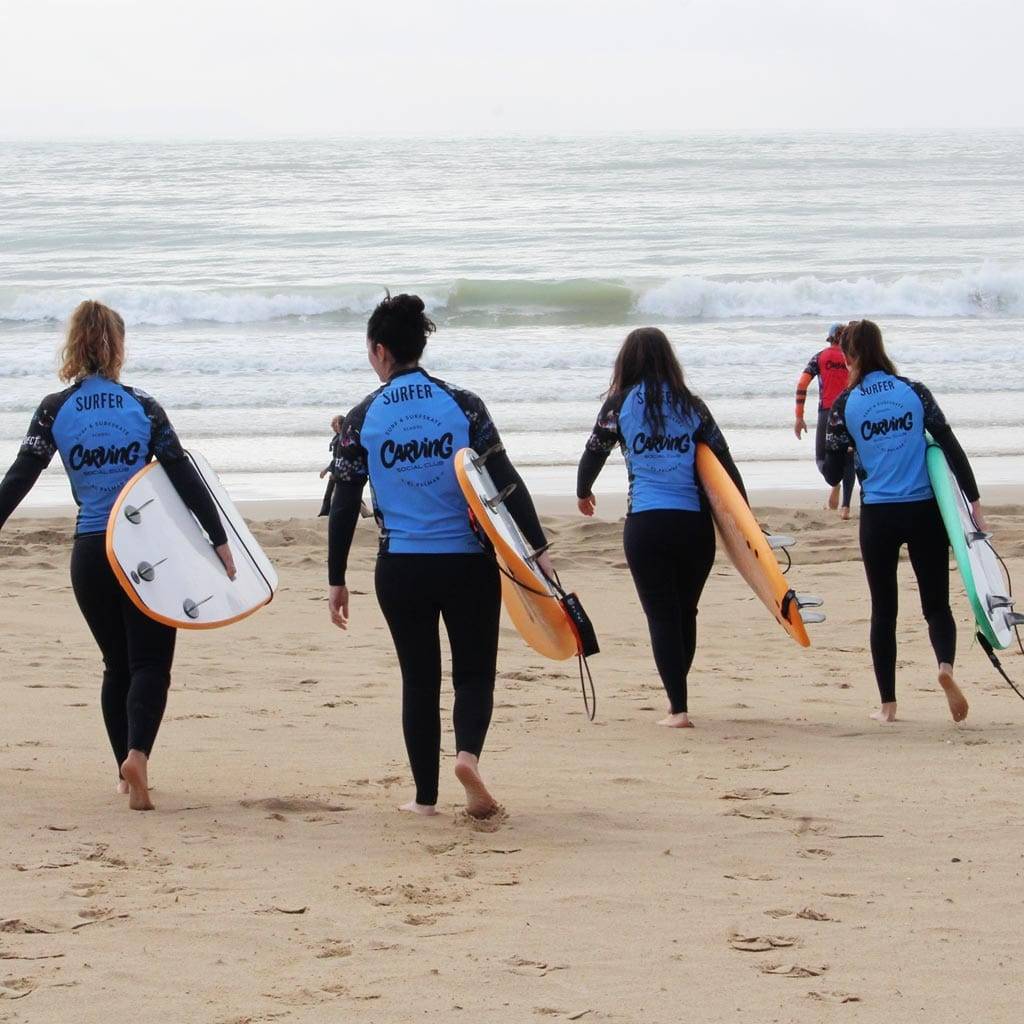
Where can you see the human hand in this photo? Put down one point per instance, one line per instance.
(544, 564)
(979, 517)
(337, 601)
(800, 427)
(587, 505)
(227, 560)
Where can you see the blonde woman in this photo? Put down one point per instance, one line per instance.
(105, 431)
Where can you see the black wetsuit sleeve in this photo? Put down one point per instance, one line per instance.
(35, 454)
(165, 447)
(17, 482)
(837, 443)
(483, 437)
(351, 471)
(602, 441)
(711, 434)
(936, 425)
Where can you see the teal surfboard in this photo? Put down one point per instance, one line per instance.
(976, 559)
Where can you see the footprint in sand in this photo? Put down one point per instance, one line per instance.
(294, 805)
(760, 943)
(809, 914)
(533, 968)
(86, 890)
(792, 970)
(757, 793)
(833, 997)
(333, 950)
(757, 813)
(815, 854)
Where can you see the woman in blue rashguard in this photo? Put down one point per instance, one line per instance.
(105, 432)
(883, 417)
(402, 439)
(669, 535)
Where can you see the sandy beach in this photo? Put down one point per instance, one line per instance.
(787, 860)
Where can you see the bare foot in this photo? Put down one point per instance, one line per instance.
(425, 809)
(844, 512)
(886, 713)
(833, 498)
(122, 787)
(479, 802)
(677, 721)
(134, 772)
(957, 701)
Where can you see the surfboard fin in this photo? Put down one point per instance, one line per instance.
(1015, 618)
(493, 503)
(479, 460)
(779, 540)
(977, 535)
(809, 601)
(133, 514)
(999, 601)
(809, 617)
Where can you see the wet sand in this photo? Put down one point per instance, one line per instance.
(787, 860)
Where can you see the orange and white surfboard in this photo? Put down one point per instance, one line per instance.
(167, 566)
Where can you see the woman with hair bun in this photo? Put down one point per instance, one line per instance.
(105, 432)
(402, 439)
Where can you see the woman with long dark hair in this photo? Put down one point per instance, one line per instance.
(669, 535)
(883, 417)
(402, 439)
(105, 432)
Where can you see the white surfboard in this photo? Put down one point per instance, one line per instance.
(982, 575)
(166, 564)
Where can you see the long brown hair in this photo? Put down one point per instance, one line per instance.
(647, 358)
(865, 351)
(94, 344)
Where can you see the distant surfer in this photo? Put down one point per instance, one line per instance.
(327, 471)
(884, 417)
(105, 432)
(829, 367)
(431, 566)
(669, 537)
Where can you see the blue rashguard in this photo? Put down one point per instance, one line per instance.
(105, 433)
(660, 462)
(883, 419)
(402, 438)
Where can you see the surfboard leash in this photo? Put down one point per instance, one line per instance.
(996, 664)
(579, 621)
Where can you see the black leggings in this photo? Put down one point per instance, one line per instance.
(414, 592)
(884, 529)
(670, 554)
(137, 651)
(819, 456)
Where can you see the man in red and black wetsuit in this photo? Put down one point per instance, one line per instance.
(829, 366)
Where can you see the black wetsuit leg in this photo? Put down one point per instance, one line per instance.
(325, 505)
(415, 592)
(137, 651)
(819, 438)
(849, 475)
(928, 548)
(884, 529)
(670, 554)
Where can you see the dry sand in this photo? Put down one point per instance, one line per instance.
(788, 860)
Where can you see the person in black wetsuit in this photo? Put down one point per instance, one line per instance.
(431, 566)
(328, 470)
(669, 535)
(105, 431)
(883, 417)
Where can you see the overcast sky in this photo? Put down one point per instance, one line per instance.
(307, 67)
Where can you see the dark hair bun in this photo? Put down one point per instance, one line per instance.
(400, 324)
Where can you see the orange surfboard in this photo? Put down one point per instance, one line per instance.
(750, 551)
(529, 598)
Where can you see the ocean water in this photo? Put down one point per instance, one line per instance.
(246, 270)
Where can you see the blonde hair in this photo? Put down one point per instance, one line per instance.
(94, 344)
